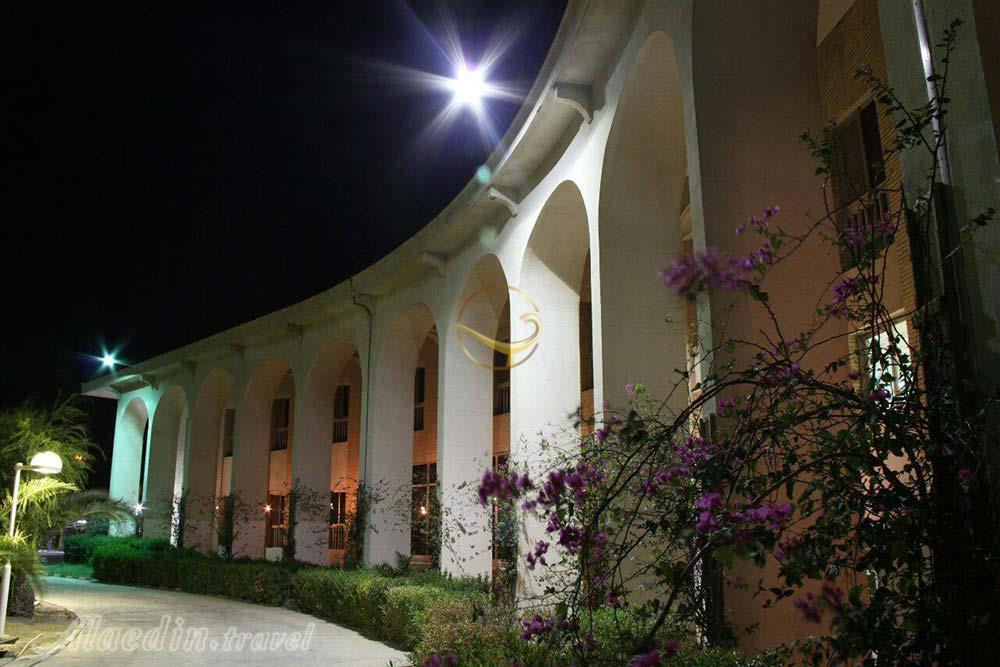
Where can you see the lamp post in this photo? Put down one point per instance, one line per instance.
(46, 463)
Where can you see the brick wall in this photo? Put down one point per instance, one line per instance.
(856, 43)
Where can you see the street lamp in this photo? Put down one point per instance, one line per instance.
(108, 360)
(45, 463)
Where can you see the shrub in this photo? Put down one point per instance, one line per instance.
(253, 581)
(450, 627)
(80, 548)
(396, 608)
(405, 612)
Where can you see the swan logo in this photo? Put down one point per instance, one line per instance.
(483, 348)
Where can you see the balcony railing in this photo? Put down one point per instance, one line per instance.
(279, 439)
(340, 429)
(338, 536)
(276, 536)
(860, 214)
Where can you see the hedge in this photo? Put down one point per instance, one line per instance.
(426, 613)
(80, 548)
(253, 581)
(383, 606)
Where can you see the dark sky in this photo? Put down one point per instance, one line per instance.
(171, 169)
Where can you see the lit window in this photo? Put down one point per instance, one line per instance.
(885, 358)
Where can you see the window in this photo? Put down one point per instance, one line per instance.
(858, 161)
(586, 347)
(419, 382)
(858, 171)
(228, 431)
(338, 520)
(277, 521)
(503, 522)
(338, 507)
(280, 413)
(423, 508)
(885, 359)
(341, 412)
(501, 399)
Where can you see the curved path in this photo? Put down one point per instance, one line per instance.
(121, 625)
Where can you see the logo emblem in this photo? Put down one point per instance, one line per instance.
(516, 352)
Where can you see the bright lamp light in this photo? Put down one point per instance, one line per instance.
(47, 463)
(108, 360)
(469, 86)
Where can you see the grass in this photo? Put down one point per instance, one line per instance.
(69, 570)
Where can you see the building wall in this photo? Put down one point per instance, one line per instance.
(739, 153)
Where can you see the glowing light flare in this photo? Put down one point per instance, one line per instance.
(108, 360)
(469, 86)
(138, 508)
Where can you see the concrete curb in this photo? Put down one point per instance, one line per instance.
(68, 635)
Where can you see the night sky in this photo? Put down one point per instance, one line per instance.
(172, 169)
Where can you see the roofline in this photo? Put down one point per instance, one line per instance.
(341, 295)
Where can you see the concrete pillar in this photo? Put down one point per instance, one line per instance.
(748, 100)
(126, 461)
(251, 456)
(973, 134)
(465, 436)
(166, 433)
(202, 465)
(545, 389)
(640, 326)
(311, 452)
(389, 458)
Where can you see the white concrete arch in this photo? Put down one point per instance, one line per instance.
(257, 471)
(546, 389)
(639, 325)
(313, 450)
(388, 460)
(129, 445)
(167, 439)
(466, 436)
(205, 465)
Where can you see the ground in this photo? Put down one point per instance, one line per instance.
(35, 636)
(122, 625)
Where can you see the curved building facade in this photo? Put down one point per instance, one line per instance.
(653, 128)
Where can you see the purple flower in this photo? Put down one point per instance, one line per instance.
(648, 660)
(809, 608)
(709, 500)
(690, 274)
(706, 522)
(538, 556)
(629, 389)
(535, 626)
(863, 231)
(502, 486)
(843, 291)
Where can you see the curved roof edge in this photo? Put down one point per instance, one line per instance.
(404, 261)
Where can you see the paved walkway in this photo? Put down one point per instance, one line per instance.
(121, 625)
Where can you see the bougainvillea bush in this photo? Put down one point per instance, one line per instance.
(852, 484)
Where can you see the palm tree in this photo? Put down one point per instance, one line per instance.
(25, 431)
(92, 505)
